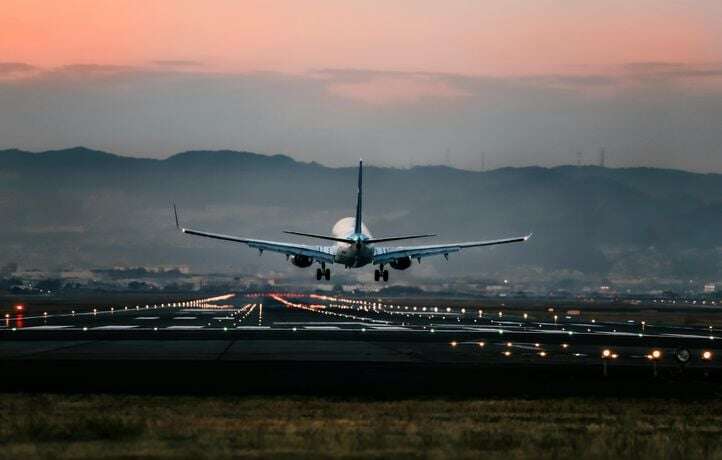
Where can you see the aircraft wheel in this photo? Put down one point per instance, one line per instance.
(319, 274)
(377, 275)
(386, 275)
(327, 274)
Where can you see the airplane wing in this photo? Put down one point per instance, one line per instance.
(320, 253)
(387, 255)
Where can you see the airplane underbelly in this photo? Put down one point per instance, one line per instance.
(351, 258)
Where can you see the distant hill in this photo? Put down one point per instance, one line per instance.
(85, 208)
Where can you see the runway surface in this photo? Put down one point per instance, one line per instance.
(346, 337)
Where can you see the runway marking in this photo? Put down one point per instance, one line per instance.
(185, 327)
(185, 317)
(390, 328)
(635, 334)
(431, 313)
(687, 336)
(253, 327)
(345, 323)
(47, 327)
(221, 318)
(142, 318)
(115, 327)
(323, 328)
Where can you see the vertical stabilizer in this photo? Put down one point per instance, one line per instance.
(359, 198)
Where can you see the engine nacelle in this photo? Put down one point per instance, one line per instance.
(301, 261)
(401, 264)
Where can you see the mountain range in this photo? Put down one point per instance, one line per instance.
(83, 208)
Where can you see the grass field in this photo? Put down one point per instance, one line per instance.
(118, 426)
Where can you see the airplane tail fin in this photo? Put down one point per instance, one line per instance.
(359, 199)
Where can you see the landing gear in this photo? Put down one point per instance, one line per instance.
(323, 272)
(381, 273)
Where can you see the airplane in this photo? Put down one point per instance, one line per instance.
(355, 246)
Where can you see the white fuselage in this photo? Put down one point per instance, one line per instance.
(352, 255)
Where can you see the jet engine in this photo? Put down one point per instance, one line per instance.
(301, 261)
(401, 264)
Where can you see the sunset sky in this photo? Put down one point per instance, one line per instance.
(398, 82)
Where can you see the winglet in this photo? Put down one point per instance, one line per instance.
(175, 213)
(526, 238)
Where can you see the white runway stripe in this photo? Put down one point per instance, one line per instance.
(313, 323)
(114, 327)
(147, 317)
(322, 328)
(185, 317)
(687, 336)
(185, 327)
(618, 333)
(45, 327)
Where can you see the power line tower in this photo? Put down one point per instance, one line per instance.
(602, 157)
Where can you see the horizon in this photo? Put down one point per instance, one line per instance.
(353, 164)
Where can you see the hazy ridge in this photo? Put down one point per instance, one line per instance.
(83, 208)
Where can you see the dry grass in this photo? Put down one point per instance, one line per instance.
(112, 426)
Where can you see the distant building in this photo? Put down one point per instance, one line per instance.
(710, 288)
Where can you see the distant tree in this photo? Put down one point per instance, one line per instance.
(50, 284)
(140, 286)
(178, 287)
(8, 269)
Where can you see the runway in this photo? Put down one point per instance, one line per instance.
(341, 338)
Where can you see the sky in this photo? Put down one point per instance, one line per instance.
(398, 82)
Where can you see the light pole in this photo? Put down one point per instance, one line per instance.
(654, 357)
(606, 356)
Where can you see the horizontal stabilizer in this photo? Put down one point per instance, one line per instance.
(320, 237)
(397, 238)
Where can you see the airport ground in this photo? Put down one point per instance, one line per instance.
(286, 376)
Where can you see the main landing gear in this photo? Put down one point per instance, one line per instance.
(381, 273)
(323, 272)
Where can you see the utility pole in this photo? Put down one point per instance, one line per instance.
(602, 157)
(579, 158)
